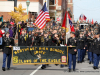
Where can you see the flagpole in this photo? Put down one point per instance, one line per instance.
(66, 20)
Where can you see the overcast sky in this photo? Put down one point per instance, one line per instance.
(90, 8)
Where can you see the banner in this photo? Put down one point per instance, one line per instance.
(39, 55)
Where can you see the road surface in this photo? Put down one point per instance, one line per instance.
(81, 69)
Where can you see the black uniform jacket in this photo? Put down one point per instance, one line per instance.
(91, 45)
(22, 41)
(73, 42)
(7, 42)
(29, 40)
(80, 43)
(96, 46)
(45, 41)
(36, 41)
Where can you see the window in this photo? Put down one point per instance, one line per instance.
(68, 1)
(51, 2)
(10, 0)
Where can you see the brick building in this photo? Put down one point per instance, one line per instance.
(7, 6)
(55, 8)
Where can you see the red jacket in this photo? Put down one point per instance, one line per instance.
(1, 33)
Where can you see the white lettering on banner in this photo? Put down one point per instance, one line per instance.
(16, 48)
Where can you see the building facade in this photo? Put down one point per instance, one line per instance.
(7, 6)
(55, 8)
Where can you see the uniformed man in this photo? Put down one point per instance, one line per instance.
(87, 41)
(29, 39)
(62, 42)
(72, 51)
(7, 51)
(77, 32)
(96, 51)
(45, 41)
(80, 47)
(36, 41)
(22, 39)
(55, 40)
(90, 49)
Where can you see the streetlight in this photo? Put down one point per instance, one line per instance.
(27, 3)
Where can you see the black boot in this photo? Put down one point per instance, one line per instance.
(73, 69)
(78, 61)
(69, 70)
(89, 62)
(3, 69)
(95, 67)
(61, 66)
(56, 64)
(8, 68)
(83, 60)
(47, 64)
(43, 67)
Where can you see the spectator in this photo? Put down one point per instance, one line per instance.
(1, 34)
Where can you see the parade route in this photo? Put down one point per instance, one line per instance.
(81, 69)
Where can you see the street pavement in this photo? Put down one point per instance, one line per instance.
(81, 69)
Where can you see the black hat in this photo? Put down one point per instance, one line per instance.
(45, 32)
(97, 33)
(72, 32)
(36, 32)
(63, 31)
(82, 30)
(95, 27)
(7, 33)
(57, 33)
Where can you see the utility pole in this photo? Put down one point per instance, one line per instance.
(15, 4)
(63, 8)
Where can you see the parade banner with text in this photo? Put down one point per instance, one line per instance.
(39, 55)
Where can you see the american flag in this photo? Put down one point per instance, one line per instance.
(43, 17)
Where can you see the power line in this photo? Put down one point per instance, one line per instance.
(86, 9)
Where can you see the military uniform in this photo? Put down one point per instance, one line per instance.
(96, 52)
(22, 40)
(90, 49)
(87, 41)
(29, 40)
(7, 52)
(80, 48)
(36, 41)
(71, 52)
(45, 41)
(55, 41)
